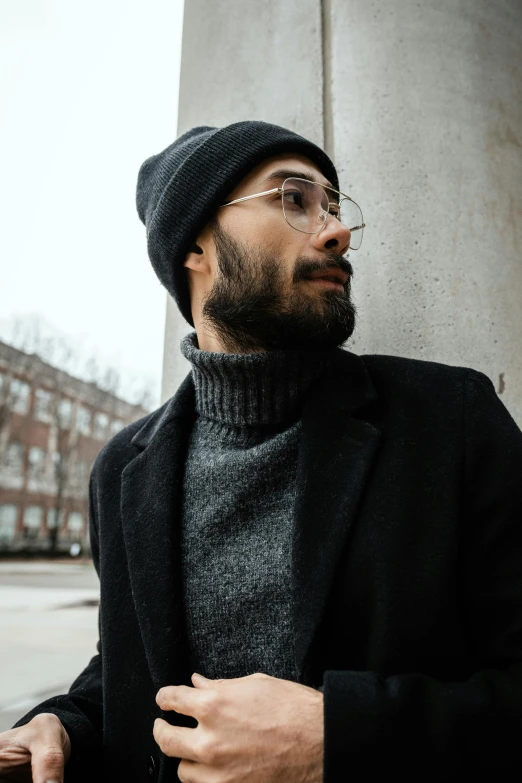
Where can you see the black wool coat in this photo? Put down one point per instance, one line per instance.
(406, 586)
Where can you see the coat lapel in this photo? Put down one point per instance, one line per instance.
(336, 453)
(150, 498)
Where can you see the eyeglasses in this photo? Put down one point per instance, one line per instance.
(306, 206)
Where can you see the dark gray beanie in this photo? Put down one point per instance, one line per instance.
(180, 188)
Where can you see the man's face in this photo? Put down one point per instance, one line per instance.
(259, 294)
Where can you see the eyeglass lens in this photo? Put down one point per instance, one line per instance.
(306, 206)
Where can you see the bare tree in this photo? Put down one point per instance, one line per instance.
(53, 369)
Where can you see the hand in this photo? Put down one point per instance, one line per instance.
(35, 752)
(256, 728)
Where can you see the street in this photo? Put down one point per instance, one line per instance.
(48, 631)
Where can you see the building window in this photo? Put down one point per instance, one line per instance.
(75, 522)
(64, 413)
(36, 462)
(116, 426)
(20, 394)
(101, 421)
(14, 458)
(33, 516)
(52, 516)
(8, 514)
(83, 420)
(42, 404)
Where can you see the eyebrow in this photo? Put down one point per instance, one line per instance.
(285, 173)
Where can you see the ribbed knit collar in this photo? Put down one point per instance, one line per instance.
(253, 388)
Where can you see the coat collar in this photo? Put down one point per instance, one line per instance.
(336, 453)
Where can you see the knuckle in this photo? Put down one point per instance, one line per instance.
(11, 747)
(42, 719)
(8, 736)
(207, 705)
(51, 755)
(45, 719)
(208, 751)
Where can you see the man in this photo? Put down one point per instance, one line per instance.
(310, 561)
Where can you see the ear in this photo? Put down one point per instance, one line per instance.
(195, 257)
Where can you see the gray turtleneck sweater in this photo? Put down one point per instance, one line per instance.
(238, 499)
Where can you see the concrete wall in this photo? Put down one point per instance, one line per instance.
(427, 133)
(420, 105)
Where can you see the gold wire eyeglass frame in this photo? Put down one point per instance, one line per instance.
(323, 214)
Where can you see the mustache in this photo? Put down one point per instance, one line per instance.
(305, 266)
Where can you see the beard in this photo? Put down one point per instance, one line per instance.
(250, 309)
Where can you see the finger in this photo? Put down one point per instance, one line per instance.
(203, 682)
(15, 757)
(180, 698)
(175, 741)
(47, 755)
(259, 676)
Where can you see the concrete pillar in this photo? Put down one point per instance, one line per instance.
(427, 133)
(245, 60)
(420, 106)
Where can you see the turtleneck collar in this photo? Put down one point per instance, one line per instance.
(253, 388)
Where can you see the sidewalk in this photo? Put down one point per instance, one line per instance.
(48, 631)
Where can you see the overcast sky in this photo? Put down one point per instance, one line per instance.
(87, 92)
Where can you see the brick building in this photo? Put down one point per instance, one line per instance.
(52, 426)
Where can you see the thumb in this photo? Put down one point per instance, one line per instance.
(203, 682)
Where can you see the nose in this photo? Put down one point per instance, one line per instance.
(333, 235)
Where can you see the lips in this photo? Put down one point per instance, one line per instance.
(333, 274)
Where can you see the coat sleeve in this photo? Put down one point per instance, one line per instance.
(423, 727)
(81, 709)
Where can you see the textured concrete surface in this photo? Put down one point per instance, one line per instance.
(245, 61)
(427, 134)
(420, 104)
(48, 632)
